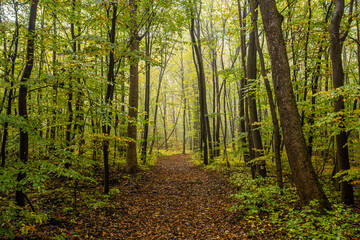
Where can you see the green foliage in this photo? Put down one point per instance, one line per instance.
(262, 203)
(352, 175)
(14, 219)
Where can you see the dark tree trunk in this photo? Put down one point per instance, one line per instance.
(122, 132)
(10, 96)
(22, 104)
(106, 128)
(336, 45)
(216, 103)
(70, 89)
(241, 91)
(202, 90)
(306, 181)
(252, 76)
(147, 98)
(55, 87)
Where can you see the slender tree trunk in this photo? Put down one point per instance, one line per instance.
(122, 132)
(12, 74)
(55, 87)
(131, 153)
(336, 45)
(184, 102)
(164, 119)
(70, 89)
(241, 90)
(306, 181)
(165, 58)
(22, 104)
(106, 128)
(147, 98)
(314, 87)
(293, 40)
(201, 88)
(252, 76)
(306, 67)
(216, 104)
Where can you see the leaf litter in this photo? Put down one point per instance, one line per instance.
(175, 199)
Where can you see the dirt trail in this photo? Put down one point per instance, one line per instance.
(174, 200)
(178, 200)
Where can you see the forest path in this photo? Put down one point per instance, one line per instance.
(178, 200)
(175, 199)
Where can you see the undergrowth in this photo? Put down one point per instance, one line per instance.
(262, 203)
(50, 184)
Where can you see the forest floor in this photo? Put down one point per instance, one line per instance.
(175, 199)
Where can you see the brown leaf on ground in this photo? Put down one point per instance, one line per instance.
(174, 200)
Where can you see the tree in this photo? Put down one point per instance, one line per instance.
(306, 181)
(9, 75)
(148, 42)
(131, 153)
(106, 128)
(204, 119)
(277, 136)
(22, 104)
(336, 46)
(252, 76)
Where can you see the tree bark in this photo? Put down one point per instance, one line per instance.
(252, 76)
(277, 136)
(131, 153)
(22, 104)
(147, 97)
(106, 128)
(184, 102)
(243, 131)
(202, 90)
(336, 45)
(306, 181)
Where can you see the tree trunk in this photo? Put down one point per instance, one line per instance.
(241, 90)
(147, 97)
(106, 128)
(306, 181)
(55, 87)
(184, 102)
(10, 96)
(202, 90)
(277, 136)
(165, 58)
(164, 118)
(22, 104)
(131, 153)
(252, 76)
(336, 44)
